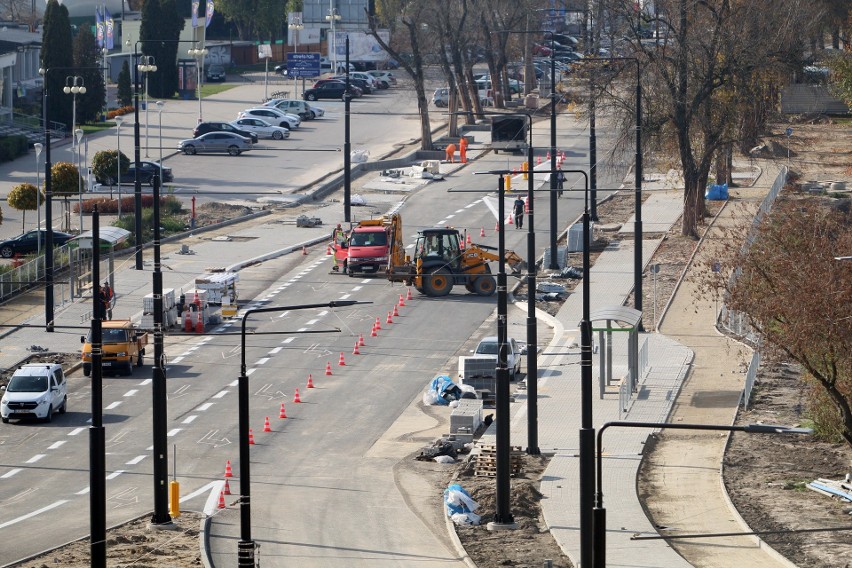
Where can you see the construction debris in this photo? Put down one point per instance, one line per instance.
(305, 221)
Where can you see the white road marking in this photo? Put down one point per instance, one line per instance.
(10, 473)
(189, 419)
(249, 372)
(148, 381)
(83, 491)
(220, 394)
(75, 431)
(135, 460)
(55, 445)
(131, 392)
(35, 458)
(460, 210)
(365, 281)
(199, 491)
(312, 322)
(288, 340)
(356, 288)
(204, 406)
(262, 361)
(469, 206)
(113, 405)
(284, 314)
(175, 360)
(173, 432)
(275, 350)
(345, 296)
(212, 503)
(302, 329)
(323, 313)
(234, 383)
(450, 216)
(115, 474)
(33, 514)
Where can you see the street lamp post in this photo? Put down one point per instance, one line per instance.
(78, 136)
(38, 146)
(160, 117)
(599, 539)
(199, 53)
(118, 123)
(147, 66)
(296, 25)
(332, 17)
(74, 86)
(246, 546)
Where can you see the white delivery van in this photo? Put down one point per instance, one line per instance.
(35, 390)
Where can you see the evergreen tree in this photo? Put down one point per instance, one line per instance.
(150, 32)
(125, 91)
(57, 59)
(173, 23)
(87, 58)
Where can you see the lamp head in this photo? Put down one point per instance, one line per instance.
(38, 146)
(118, 120)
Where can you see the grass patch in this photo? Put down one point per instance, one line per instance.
(96, 127)
(211, 89)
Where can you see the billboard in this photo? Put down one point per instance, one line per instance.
(362, 47)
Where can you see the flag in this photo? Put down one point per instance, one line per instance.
(208, 13)
(99, 26)
(194, 13)
(110, 23)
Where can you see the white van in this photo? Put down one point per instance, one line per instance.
(35, 390)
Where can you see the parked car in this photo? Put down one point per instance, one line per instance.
(233, 144)
(274, 116)
(262, 128)
(441, 97)
(490, 346)
(360, 83)
(354, 90)
(369, 79)
(281, 69)
(484, 83)
(28, 242)
(36, 390)
(325, 66)
(328, 90)
(147, 171)
(292, 106)
(215, 72)
(206, 127)
(386, 79)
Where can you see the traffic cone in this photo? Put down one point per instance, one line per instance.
(296, 398)
(389, 320)
(310, 384)
(510, 220)
(282, 413)
(482, 231)
(328, 367)
(187, 321)
(196, 300)
(228, 472)
(221, 499)
(373, 333)
(548, 155)
(468, 241)
(227, 489)
(497, 227)
(395, 312)
(251, 437)
(538, 160)
(328, 250)
(378, 324)
(408, 296)
(266, 426)
(361, 340)
(401, 302)
(340, 361)
(199, 324)
(356, 351)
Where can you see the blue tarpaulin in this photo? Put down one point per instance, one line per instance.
(717, 192)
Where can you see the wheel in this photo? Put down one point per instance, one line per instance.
(64, 406)
(439, 282)
(469, 287)
(310, 97)
(87, 369)
(485, 285)
(313, 115)
(305, 115)
(49, 418)
(278, 135)
(7, 252)
(189, 150)
(233, 151)
(5, 420)
(128, 369)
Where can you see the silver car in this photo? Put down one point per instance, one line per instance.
(261, 128)
(233, 144)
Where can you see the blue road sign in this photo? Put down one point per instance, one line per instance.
(303, 65)
(789, 132)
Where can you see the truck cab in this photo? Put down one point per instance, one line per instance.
(123, 346)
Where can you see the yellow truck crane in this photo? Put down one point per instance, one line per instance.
(441, 261)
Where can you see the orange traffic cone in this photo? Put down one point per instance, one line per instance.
(221, 499)
(227, 489)
(408, 296)
(468, 241)
(497, 227)
(482, 231)
(251, 437)
(196, 300)
(538, 160)
(228, 472)
(378, 324)
(266, 426)
(340, 361)
(356, 351)
(389, 320)
(328, 250)
(187, 321)
(282, 413)
(361, 340)
(373, 333)
(548, 155)
(296, 397)
(199, 324)
(395, 312)
(401, 302)
(328, 367)
(304, 251)
(510, 220)
(310, 384)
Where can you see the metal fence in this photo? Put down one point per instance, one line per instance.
(751, 375)
(31, 274)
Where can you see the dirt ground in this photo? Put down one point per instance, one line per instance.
(765, 480)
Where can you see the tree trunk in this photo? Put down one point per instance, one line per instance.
(693, 200)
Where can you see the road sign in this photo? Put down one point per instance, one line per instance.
(789, 131)
(303, 65)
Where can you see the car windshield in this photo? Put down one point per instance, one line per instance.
(488, 348)
(27, 384)
(369, 239)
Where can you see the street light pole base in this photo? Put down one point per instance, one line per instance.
(494, 526)
(245, 553)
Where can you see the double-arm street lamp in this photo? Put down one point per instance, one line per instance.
(297, 26)
(599, 514)
(332, 17)
(74, 86)
(199, 53)
(148, 65)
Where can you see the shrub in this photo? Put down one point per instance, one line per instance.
(120, 111)
(104, 165)
(11, 147)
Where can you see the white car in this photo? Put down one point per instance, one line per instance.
(261, 128)
(274, 116)
(293, 106)
(35, 390)
(489, 346)
(371, 81)
(385, 79)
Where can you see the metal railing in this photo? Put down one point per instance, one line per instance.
(32, 273)
(751, 376)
